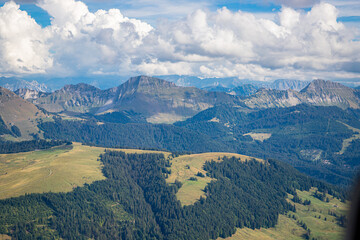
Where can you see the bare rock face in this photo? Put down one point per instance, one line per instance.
(318, 92)
(151, 96)
(327, 93)
(76, 98)
(269, 98)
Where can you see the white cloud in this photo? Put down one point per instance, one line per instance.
(23, 43)
(232, 43)
(85, 42)
(295, 44)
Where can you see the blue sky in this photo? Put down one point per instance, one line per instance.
(259, 39)
(152, 11)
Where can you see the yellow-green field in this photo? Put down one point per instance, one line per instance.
(325, 227)
(58, 169)
(186, 166)
(168, 118)
(258, 136)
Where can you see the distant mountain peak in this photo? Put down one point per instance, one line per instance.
(321, 85)
(14, 83)
(80, 87)
(285, 84)
(146, 81)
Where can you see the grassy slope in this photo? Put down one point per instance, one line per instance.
(288, 228)
(58, 169)
(15, 110)
(186, 166)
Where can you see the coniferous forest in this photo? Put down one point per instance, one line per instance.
(135, 202)
(31, 145)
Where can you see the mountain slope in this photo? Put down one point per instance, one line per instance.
(152, 96)
(318, 92)
(76, 98)
(327, 93)
(269, 98)
(285, 84)
(29, 94)
(244, 90)
(16, 111)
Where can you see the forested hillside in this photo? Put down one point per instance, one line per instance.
(319, 141)
(132, 135)
(136, 202)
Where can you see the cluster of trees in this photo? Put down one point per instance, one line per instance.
(135, 202)
(31, 145)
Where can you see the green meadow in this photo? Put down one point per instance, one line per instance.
(319, 217)
(59, 169)
(188, 166)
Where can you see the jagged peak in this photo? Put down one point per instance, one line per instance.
(320, 84)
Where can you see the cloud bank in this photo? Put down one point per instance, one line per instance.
(297, 44)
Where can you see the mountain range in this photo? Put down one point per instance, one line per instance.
(13, 84)
(162, 101)
(156, 99)
(230, 83)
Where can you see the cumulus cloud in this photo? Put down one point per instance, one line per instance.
(297, 44)
(92, 42)
(23, 43)
(229, 43)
